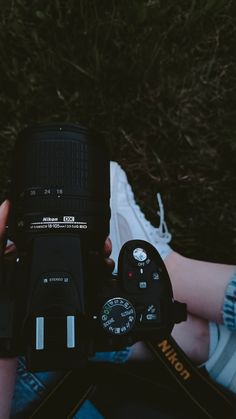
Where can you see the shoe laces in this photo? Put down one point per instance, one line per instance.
(159, 234)
(163, 229)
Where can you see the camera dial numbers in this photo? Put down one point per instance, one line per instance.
(37, 191)
(118, 316)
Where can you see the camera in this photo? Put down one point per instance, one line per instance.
(58, 302)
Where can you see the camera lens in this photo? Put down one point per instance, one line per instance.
(60, 181)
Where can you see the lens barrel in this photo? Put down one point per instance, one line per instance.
(60, 181)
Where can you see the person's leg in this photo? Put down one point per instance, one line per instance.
(207, 288)
(210, 345)
(192, 336)
(201, 285)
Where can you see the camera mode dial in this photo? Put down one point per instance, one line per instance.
(118, 316)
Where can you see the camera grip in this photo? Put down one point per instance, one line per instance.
(143, 307)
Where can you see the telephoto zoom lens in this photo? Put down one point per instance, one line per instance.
(60, 182)
(59, 221)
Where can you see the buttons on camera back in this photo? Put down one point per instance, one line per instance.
(137, 279)
(144, 281)
(150, 314)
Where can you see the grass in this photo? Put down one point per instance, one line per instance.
(157, 78)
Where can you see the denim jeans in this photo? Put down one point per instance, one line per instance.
(31, 388)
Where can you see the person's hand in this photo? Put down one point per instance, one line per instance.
(107, 251)
(4, 212)
(6, 248)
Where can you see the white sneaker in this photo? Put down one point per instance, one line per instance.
(127, 220)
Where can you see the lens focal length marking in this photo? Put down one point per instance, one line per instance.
(37, 191)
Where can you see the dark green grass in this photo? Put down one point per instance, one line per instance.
(157, 78)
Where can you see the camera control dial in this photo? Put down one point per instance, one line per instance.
(118, 316)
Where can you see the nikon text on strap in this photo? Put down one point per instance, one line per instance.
(211, 399)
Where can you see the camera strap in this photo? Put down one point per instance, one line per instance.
(64, 400)
(212, 401)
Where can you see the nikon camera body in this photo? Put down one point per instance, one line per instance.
(58, 302)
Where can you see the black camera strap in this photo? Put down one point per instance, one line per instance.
(212, 401)
(67, 396)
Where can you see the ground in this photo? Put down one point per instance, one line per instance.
(157, 79)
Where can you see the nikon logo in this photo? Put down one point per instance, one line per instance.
(172, 357)
(50, 219)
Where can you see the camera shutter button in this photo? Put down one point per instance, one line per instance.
(139, 254)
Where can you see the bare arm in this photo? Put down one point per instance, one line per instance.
(7, 366)
(201, 285)
(7, 382)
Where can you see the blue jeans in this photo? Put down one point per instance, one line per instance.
(31, 388)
